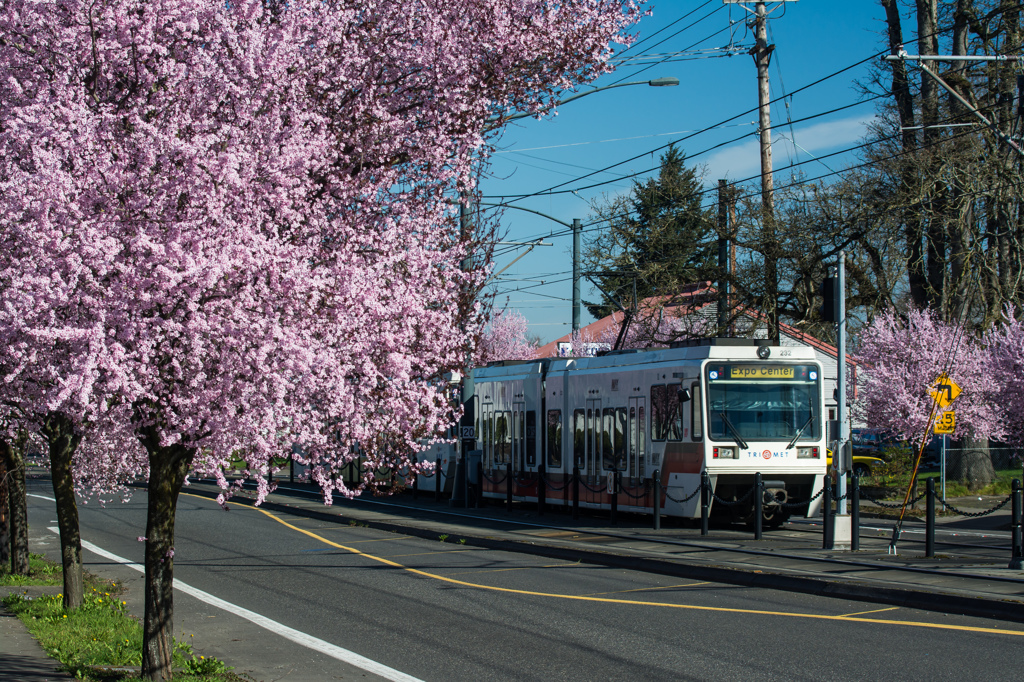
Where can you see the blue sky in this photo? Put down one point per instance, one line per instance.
(711, 114)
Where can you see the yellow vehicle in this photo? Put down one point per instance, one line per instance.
(863, 465)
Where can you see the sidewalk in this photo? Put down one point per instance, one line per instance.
(22, 657)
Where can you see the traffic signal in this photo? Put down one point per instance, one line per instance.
(829, 309)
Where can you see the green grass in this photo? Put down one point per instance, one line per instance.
(40, 572)
(101, 635)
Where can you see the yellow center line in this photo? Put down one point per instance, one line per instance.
(607, 600)
(861, 613)
(645, 589)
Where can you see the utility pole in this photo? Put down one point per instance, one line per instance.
(724, 273)
(762, 54)
(576, 301)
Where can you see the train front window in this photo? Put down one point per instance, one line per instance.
(763, 402)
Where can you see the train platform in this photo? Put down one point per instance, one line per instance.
(969, 573)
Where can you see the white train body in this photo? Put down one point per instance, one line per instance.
(725, 407)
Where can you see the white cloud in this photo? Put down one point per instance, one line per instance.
(743, 160)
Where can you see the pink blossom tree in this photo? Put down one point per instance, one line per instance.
(1005, 343)
(231, 223)
(504, 338)
(903, 358)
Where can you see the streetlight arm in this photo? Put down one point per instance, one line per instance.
(528, 210)
(656, 83)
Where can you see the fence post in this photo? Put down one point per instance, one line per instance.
(615, 497)
(437, 480)
(705, 502)
(508, 486)
(855, 514)
(541, 489)
(929, 527)
(827, 541)
(575, 493)
(758, 506)
(657, 499)
(1016, 551)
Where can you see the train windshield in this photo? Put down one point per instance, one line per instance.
(763, 401)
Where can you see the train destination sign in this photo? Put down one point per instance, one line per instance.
(761, 372)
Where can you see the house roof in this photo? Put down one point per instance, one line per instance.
(690, 300)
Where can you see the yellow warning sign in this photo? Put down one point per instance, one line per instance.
(946, 423)
(944, 391)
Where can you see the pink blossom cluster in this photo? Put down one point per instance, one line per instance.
(229, 226)
(505, 338)
(903, 358)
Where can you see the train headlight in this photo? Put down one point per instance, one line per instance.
(808, 453)
(724, 453)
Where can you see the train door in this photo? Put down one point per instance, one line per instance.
(487, 433)
(518, 437)
(636, 466)
(593, 452)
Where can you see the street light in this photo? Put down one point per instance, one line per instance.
(668, 81)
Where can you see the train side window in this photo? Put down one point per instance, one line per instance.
(696, 413)
(607, 439)
(579, 438)
(531, 438)
(642, 436)
(554, 439)
(666, 417)
(620, 439)
(502, 437)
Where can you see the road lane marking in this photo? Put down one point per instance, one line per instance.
(308, 641)
(645, 589)
(606, 600)
(42, 497)
(861, 613)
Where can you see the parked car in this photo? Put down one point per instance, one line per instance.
(863, 465)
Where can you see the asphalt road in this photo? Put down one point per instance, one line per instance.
(418, 609)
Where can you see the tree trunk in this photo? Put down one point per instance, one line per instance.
(973, 464)
(167, 469)
(5, 516)
(17, 503)
(63, 439)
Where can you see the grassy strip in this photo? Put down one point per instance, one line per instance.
(40, 572)
(95, 641)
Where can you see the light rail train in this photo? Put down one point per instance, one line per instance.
(730, 408)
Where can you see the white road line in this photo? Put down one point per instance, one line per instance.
(302, 638)
(42, 497)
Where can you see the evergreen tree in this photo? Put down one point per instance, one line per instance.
(658, 239)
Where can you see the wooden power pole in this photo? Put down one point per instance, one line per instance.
(762, 54)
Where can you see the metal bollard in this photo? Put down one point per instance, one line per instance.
(1017, 550)
(855, 514)
(758, 506)
(542, 493)
(479, 484)
(657, 499)
(508, 486)
(929, 528)
(575, 493)
(614, 514)
(705, 502)
(827, 540)
(437, 480)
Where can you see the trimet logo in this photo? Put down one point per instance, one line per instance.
(766, 454)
